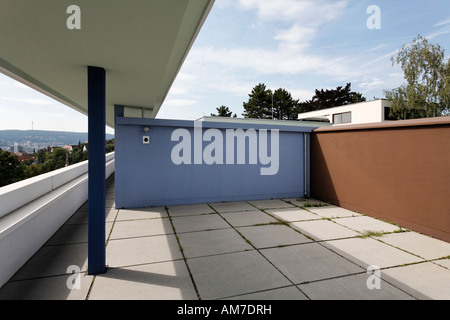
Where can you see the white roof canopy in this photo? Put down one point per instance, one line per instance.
(140, 43)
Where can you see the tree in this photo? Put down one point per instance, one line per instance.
(324, 99)
(222, 111)
(259, 104)
(11, 170)
(263, 104)
(41, 155)
(109, 146)
(284, 106)
(9, 164)
(427, 89)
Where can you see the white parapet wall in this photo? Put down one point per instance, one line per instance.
(32, 210)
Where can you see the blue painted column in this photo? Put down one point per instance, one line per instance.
(96, 166)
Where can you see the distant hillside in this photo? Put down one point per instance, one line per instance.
(43, 138)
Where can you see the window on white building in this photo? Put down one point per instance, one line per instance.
(345, 117)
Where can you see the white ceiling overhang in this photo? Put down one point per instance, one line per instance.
(140, 43)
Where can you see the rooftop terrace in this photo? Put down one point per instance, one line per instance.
(280, 249)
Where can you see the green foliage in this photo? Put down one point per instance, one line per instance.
(222, 111)
(109, 146)
(284, 106)
(11, 170)
(259, 103)
(263, 104)
(324, 99)
(9, 164)
(427, 89)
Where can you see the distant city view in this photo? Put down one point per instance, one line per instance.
(30, 141)
(28, 153)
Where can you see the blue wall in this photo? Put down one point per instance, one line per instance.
(146, 175)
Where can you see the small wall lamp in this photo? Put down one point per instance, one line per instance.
(145, 129)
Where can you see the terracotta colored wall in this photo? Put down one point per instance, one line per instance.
(396, 171)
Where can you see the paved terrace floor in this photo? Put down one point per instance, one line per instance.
(271, 249)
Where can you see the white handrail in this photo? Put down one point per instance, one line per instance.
(15, 195)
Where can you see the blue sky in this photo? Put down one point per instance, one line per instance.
(293, 44)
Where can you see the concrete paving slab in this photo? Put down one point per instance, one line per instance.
(303, 201)
(368, 251)
(110, 202)
(270, 204)
(141, 213)
(293, 214)
(134, 251)
(227, 275)
(110, 194)
(84, 207)
(353, 287)
(189, 209)
(418, 244)
(203, 243)
(49, 288)
(247, 218)
(309, 262)
(443, 262)
(423, 280)
(365, 224)
(286, 293)
(323, 229)
(70, 234)
(312, 201)
(272, 235)
(296, 201)
(331, 211)
(156, 281)
(79, 217)
(199, 222)
(141, 228)
(110, 214)
(53, 261)
(232, 206)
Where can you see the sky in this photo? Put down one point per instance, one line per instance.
(298, 45)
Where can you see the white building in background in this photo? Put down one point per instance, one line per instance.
(357, 113)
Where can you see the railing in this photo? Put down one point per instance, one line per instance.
(32, 210)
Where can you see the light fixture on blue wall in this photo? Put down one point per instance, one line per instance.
(146, 129)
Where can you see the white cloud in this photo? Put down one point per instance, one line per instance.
(52, 114)
(296, 24)
(20, 85)
(304, 12)
(34, 101)
(296, 38)
(370, 83)
(301, 94)
(266, 61)
(444, 30)
(180, 102)
(444, 22)
(177, 90)
(183, 76)
(305, 18)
